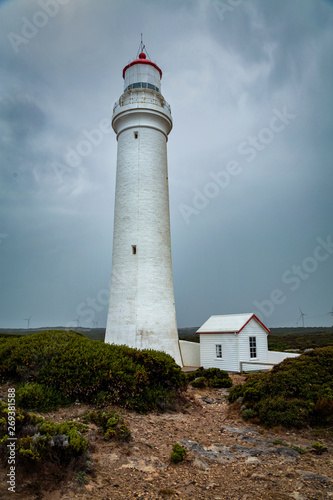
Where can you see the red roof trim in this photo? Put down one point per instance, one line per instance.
(142, 61)
(258, 320)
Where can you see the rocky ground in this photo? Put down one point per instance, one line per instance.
(227, 458)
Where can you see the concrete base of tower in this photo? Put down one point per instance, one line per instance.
(146, 340)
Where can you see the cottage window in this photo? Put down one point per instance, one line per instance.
(218, 348)
(253, 347)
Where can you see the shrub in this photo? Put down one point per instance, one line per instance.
(111, 424)
(178, 453)
(248, 413)
(214, 377)
(42, 440)
(75, 368)
(319, 448)
(199, 382)
(295, 393)
(34, 396)
(218, 382)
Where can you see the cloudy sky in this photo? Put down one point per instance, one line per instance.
(250, 84)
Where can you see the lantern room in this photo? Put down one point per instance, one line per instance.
(142, 73)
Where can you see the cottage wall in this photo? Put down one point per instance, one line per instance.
(253, 329)
(229, 361)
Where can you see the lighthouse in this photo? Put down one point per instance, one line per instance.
(142, 307)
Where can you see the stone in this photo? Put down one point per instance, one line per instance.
(252, 460)
(200, 463)
(297, 496)
(311, 476)
(207, 400)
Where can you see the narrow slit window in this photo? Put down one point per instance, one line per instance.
(136, 135)
(253, 347)
(134, 249)
(218, 350)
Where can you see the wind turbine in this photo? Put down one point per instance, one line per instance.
(331, 312)
(28, 320)
(301, 316)
(77, 321)
(95, 323)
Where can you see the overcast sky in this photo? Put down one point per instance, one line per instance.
(250, 156)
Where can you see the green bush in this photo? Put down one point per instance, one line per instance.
(295, 393)
(178, 453)
(218, 382)
(75, 368)
(111, 424)
(319, 448)
(34, 396)
(214, 377)
(248, 414)
(199, 382)
(42, 440)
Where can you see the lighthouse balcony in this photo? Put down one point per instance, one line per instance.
(142, 98)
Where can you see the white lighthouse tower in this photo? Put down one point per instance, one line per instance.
(142, 307)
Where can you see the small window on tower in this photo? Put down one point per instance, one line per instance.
(218, 350)
(136, 135)
(133, 249)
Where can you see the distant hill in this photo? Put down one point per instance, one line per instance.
(91, 333)
(280, 339)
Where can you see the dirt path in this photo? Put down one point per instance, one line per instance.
(227, 458)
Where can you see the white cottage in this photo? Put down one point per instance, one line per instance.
(234, 342)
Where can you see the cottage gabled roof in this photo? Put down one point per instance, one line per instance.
(229, 323)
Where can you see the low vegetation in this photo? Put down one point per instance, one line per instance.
(42, 441)
(111, 425)
(178, 453)
(57, 368)
(296, 393)
(299, 340)
(210, 377)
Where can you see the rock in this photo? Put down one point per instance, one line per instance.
(260, 477)
(311, 476)
(240, 400)
(207, 400)
(143, 465)
(283, 450)
(297, 496)
(252, 460)
(240, 430)
(200, 463)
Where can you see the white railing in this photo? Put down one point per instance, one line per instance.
(241, 363)
(274, 358)
(142, 97)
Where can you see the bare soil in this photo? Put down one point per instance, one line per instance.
(227, 458)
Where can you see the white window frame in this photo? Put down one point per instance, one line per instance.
(253, 347)
(216, 351)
